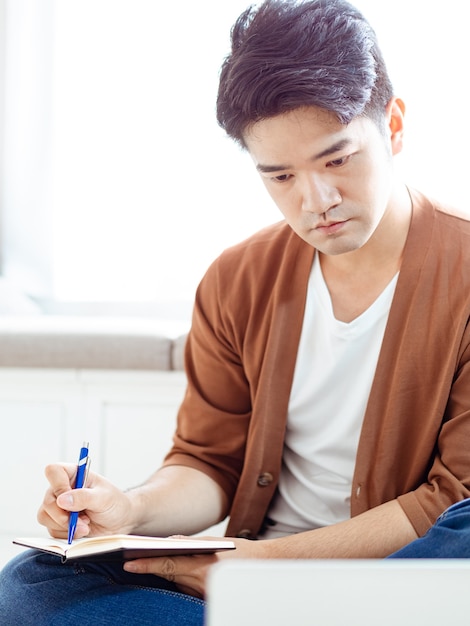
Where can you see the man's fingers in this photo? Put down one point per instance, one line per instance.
(70, 501)
(168, 569)
(60, 477)
(188, 572)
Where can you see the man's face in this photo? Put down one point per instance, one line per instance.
(331, 182)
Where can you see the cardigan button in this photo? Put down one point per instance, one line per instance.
(265, 479)
(244, 534)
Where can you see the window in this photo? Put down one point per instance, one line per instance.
(118, 185)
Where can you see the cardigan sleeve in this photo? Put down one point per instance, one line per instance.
(214, 416)
(448, 479)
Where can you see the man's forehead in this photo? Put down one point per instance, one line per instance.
(314, 130)
(314, 115)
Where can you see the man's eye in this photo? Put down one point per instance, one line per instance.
(338, 162)
(282, 178)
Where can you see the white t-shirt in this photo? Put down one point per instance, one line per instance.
(335, 367)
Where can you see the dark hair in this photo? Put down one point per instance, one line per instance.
(288, 54)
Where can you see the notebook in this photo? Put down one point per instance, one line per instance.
(124, 547)
(401, 592)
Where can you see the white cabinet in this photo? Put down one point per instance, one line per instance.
(130, 421)
(128, 417)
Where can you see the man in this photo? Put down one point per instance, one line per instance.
(328, 360)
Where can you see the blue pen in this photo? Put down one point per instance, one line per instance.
(82, 467)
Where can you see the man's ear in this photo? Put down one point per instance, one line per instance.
(395, 115)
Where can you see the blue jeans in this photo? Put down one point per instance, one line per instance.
(36, 589)
(448, 538)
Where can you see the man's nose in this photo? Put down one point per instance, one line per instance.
(319, 194)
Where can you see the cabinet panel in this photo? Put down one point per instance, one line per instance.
(131, 423)
(33, 434)
(137, 438)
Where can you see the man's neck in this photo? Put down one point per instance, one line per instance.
(356, 279)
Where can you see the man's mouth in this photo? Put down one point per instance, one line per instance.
(330, 228)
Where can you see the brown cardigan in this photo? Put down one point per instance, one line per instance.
(240, 357)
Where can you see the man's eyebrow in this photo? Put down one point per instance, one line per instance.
(336, 147)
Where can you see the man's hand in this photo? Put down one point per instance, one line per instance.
(189, 573)
(174, 499)
(104, 508)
